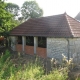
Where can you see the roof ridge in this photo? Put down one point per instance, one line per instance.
(69, 24)
(74, 19)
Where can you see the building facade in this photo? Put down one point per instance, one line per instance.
(51, 36)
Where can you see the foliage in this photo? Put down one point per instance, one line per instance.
(5, 17)
(66, 62)
(31, 71)
(56, 75)
(13, 9)
(9, 14)
(7, 22)
(30, 9)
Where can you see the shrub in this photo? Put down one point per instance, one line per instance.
(31, 71)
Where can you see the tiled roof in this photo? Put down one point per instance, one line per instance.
(52, 26)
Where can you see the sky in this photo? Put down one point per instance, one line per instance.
(55, 7)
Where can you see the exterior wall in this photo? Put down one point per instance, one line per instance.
(29, 50)
(41, 52)
(58, 46)
(13, 42)
(75, 49)
(19, 47)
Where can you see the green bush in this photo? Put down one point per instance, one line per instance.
(31, 71)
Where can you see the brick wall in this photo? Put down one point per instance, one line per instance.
(19, 47)
(29, 49)
(41, 52)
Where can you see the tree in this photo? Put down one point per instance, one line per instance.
(5, 16)
(30, 9)
(7, 22)
(13, 9)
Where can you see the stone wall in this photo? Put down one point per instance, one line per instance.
(58, 46)
(75, 49)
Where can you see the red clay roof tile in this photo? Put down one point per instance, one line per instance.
(52, 26)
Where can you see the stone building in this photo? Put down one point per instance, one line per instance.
(60, 34)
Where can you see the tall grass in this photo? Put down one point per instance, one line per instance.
(31, 71)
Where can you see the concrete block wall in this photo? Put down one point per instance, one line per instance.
(75, 49)
(58, 46)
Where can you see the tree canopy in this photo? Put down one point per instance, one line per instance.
(13, 9)
(5, 16)
(6, 19)
(30, 9)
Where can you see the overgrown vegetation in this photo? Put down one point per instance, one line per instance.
(30, 71)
